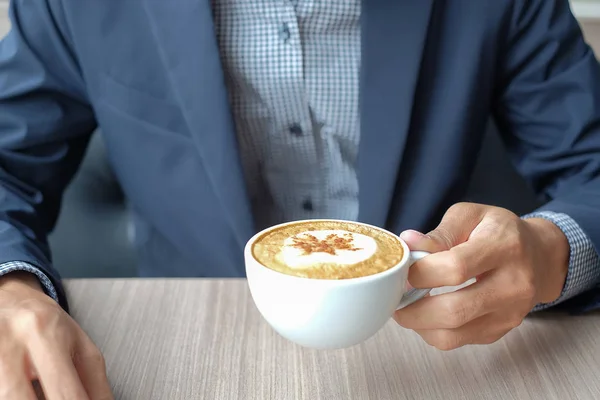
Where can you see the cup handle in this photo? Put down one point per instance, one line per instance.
(414, 294)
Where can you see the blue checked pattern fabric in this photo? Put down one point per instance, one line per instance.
(15, 266)
(584, 263)
(292, 70)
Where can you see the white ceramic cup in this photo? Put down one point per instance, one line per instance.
(330, 314)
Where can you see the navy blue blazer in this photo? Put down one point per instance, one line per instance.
(149, 73)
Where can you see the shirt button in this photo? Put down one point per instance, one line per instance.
(284, 32)
(307, 205)
(296, 130)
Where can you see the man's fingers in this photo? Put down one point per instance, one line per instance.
(455, 228)
(455, 309)
(457, 224)
(91, 367)
(455, 266)
(418, 241)
(57, 374)
(485, 330)
(14, 383)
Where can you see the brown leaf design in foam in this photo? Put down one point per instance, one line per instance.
(330, 245)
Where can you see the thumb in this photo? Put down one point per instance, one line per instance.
(418, 241)
(455, 228)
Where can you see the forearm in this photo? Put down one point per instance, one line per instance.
(45, 123)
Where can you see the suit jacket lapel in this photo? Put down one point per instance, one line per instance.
(184, 31)
(393, 39)
(394, 35)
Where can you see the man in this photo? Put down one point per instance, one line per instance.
(221, 119)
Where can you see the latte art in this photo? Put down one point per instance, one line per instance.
(328, 249)
(313, 248)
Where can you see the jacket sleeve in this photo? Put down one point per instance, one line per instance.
(45, 125)
(548, 111)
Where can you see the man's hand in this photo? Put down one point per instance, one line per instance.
(516, 263)
(39, 341)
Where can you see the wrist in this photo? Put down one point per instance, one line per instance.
(20, 280)
(551, 259)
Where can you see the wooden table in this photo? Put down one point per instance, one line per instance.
(204, 339)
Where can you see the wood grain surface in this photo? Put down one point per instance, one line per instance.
(204, 339)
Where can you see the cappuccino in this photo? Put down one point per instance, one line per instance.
(328, 249)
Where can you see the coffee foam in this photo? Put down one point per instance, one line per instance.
(301, 251)
(327, 249)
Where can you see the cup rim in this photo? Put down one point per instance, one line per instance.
(347, 281)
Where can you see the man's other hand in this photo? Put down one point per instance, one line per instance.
(40, 342)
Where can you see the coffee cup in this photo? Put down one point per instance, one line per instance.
(324, 312)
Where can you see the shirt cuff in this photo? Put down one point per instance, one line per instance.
(584, 264)
(14, 266)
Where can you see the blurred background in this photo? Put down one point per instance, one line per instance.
(93, 234)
